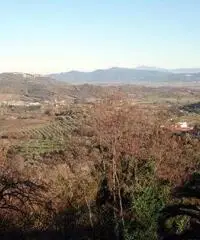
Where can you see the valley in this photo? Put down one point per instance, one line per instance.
(80, 152)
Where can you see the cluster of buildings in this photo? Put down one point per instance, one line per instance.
(183, 128)
(27, 75)
(19, 103)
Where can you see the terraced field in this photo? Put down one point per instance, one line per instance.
(33, 142)
(9, 127)
(46, 131)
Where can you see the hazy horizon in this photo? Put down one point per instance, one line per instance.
(137, 67)
(60, 36)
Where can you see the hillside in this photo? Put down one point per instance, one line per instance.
(89, 157)
(26, 85)
(30, 88)
(84, 170)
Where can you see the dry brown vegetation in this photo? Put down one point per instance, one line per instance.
(101, 171)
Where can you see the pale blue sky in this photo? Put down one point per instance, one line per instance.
(59, 35)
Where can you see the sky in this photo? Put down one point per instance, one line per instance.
(46, 36)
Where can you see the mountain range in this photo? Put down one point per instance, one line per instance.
(176, 70)
(141, 75)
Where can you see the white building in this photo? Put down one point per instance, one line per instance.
(183, 124)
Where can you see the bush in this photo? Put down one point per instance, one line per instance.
(149, 196)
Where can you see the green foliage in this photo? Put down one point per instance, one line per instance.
(148, 198)
(178, 224)
(146, 205)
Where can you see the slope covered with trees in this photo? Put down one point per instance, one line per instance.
(112, 176)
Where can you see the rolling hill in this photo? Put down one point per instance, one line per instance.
(142, 75)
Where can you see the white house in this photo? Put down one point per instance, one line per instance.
(183, 124)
